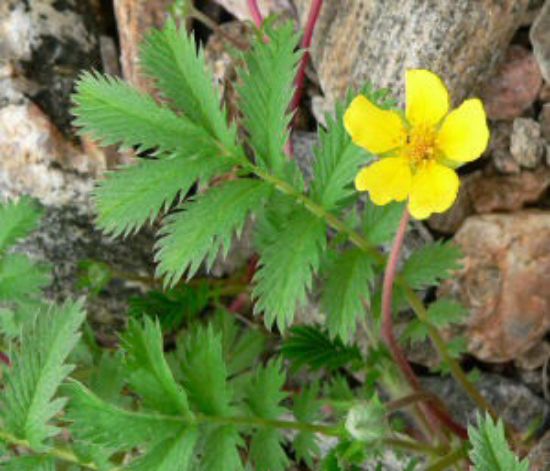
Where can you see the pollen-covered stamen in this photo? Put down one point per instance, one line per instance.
(421, 145)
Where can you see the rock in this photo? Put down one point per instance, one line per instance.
(540, 38)
(239, 8)
(49, 42)
(515, 85)
(514, 402)
(526, 144)
(134, 19)
(368, 40)
(544, 120)
(504, 283)
(544, 94)
(539, 456)
(499, 148)
(482, 194)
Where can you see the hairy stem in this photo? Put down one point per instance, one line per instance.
(60, 453)
(452, 458)
(255, 12)
(312, 18)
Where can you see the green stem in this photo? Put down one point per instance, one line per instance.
(448, 460)
(60, 453)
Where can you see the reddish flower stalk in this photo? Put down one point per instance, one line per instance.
(313, 16)
(433, 410)
(255, 13)
(5, 359)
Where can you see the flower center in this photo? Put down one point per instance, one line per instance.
(420, 146)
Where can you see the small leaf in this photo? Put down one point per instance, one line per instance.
(380, 223)
(18, 220)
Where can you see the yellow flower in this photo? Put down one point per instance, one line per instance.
(418, 154)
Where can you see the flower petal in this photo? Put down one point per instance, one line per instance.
(386, 180)
(434, 189)
(464, 134)
(427, 98)
(373, 128)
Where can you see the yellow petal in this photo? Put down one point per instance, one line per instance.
(373, 128)
(464, 134)
(386, 180)
(427, 98)
(434, 189)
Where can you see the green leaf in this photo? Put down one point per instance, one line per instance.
(103, 424)
(29, 463)
(241, 347)
(132, 196)
(337, 162)
(307, 345)
(18, 220)
(347, 292)
(112, 112)
(174, 453)
(221, 449)
(20, 278)
(264, 395)
(490, 450)
(108, 378)
(206, 225)
(39, 367)
(204, 372)
(441, 313)
(380, 223)
(431, 264)
(151, 376)
(287, 267)
(266, 90)
(306, 410)
(173, 59)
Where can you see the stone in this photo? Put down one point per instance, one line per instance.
(544, 121)
(514, 402)
(367, 40)
(239, 8)
(515, 85)
(134, 18)
(526, 145)
(540, 38)
(544, 94)
(499, 147)
(49, 42)
(482, 194)
(504, 283)
(539, 456)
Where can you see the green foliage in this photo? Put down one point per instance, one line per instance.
(18, 276)
(204, 226)
(490, 450)
(337, 161)
(172, 59)
(287, 268)
(307, 345)
(30, 463)
(263, 399)
(347, 292)
(27, 401)
(265, 94)
(306, 409)
(151, 376)
(380, 222)
(18, 219)
(431, 263)
(137, 194)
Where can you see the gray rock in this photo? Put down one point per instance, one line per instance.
(544, 120)
(514, 402)
(526, 144)
(540, 38)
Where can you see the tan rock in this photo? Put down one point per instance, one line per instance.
(544, 120)
(483, 194)
(134, 19)
(515, 85)
(499, 147)
(372, 40)
(540, 38)
(504, 283)
(526, 144)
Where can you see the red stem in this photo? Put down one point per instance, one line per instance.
(312, 18)
(255, 13)
(5, 359)
(433, 411)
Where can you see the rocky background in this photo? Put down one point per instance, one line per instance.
(496, 49)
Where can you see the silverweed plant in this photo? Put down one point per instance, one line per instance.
(196, 386)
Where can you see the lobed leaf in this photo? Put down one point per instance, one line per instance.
(18, 220)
